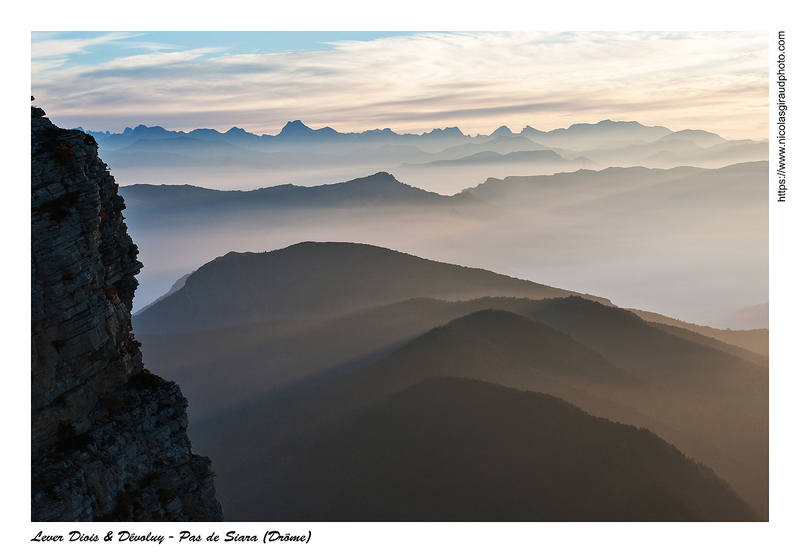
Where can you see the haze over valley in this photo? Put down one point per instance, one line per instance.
(688, 242)
(441, 160)
(472, 277)
(302, 355)
(356, 293)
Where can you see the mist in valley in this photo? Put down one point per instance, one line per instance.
(314, 330)
(685, 242)
(402, 311)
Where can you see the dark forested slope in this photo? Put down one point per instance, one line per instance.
(456, 449)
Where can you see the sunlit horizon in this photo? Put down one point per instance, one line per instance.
(409, 82)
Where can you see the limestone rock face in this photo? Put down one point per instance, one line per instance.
(108, 438)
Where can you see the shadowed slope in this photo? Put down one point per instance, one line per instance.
(456, 449)
(492, 346)
(263, 357)
(713, 406)
(633, 344)
(317, 279)
(702, 338)
(712, 394)
(756, 341)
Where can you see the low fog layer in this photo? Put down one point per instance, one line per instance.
(689, 243)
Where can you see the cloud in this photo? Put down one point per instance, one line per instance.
(477, 81)
(48, 45)
(119, 66)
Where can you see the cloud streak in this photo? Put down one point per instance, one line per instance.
(477, 81)
(47, 45)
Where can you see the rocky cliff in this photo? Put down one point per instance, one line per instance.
(109, 438)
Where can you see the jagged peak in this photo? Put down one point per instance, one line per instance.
(294, 127)
(502, 130)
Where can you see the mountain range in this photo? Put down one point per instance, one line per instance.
(345, 381)
(301, 155)
(318, 280)
(331, 357)
(449, 449)
(375, 191)
(294, 132)
(687, 242)
(364, 365)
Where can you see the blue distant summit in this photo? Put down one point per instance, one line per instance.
(294, 128)
(297, 130)
(577, 136)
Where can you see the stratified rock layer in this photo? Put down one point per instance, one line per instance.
(109, 438)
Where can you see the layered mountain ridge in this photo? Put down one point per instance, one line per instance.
(378, 190)
(318, 335)
(348, 361)
(500, 454)
(442, 160)
(313, 279)
(296, 131)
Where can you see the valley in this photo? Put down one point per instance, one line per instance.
(287, 345)
(290, 278)
(296, 375)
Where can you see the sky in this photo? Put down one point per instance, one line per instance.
(406, 81)
(67, 85)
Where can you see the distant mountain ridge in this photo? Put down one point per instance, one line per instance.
(581, 135)
(756, 341)
(293, 132)
(297, 132)
(380, 189)
(489, 157)
(747, 318)
(442, 160)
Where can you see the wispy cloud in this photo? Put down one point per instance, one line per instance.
(119, 66)
(52, 45)
(477, 81)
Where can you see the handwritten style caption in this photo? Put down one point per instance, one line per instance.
(181, 537)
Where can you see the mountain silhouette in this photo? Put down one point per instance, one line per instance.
(450, 449)
(501, 144)
(714, 408)
(378, 190)
(704, 139)
(262, 358)
(585, 136)
(752, 345)
(297, 131)
(491, 157)
(317, 279)
(524, 193)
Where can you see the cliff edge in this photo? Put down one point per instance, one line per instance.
(108, 438)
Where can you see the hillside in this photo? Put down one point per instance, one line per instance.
(752, 345)
(262, 358)
(378, 190)
(317, 279)
(624, 185)
(711, 405)
(462, 450)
